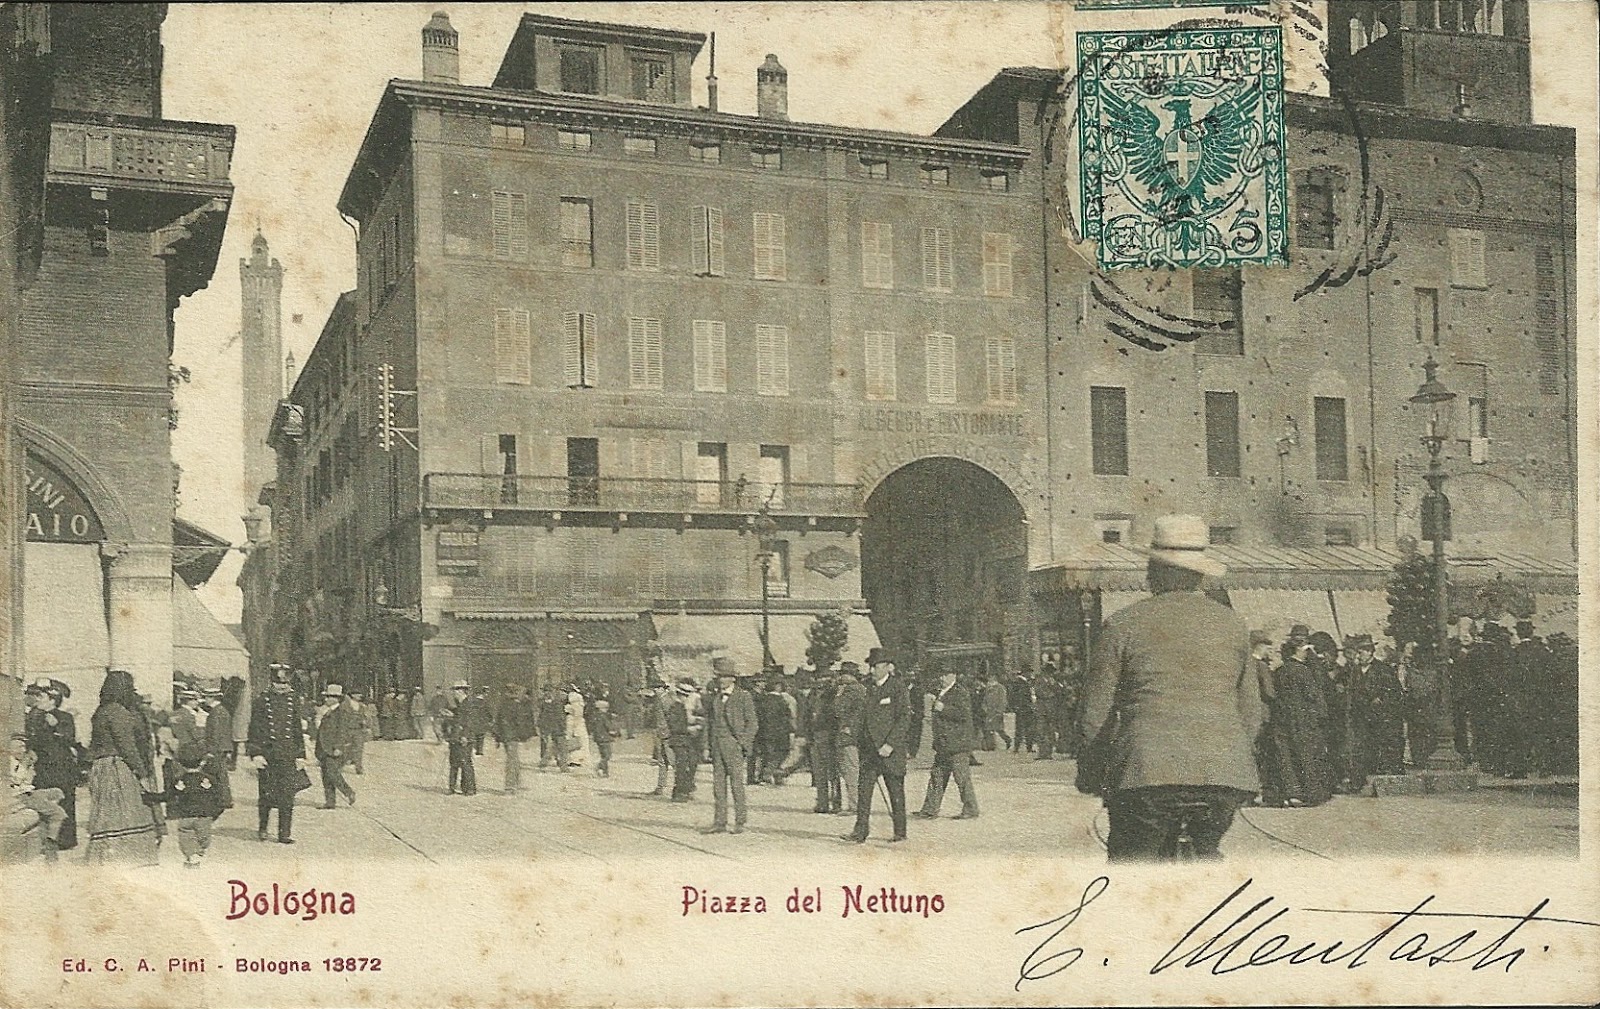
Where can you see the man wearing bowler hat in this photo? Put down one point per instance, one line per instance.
(881, 730)
(1171, 707)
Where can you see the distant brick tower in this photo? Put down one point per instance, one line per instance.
(261, 334)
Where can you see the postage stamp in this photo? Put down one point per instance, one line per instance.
(1181, 153)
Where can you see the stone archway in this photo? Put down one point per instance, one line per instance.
(944, 560)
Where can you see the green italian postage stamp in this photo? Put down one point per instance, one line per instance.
(1181, 147)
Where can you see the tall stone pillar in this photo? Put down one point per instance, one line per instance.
(140, 617)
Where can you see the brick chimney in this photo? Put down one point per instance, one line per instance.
(772, 89)
(441, 56)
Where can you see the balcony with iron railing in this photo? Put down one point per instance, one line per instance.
(637, 495)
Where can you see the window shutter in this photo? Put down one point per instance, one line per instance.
(652, 350)
(877, 255)
(1000, 353)
(770, 258)
(714, 265)
(880, 365)
(638, 364)
(500, 210)
(591, 355)
(772, 360)
(710, 356)
(571, 349)
(519, 225)
(701, 240)
(512, 347)
(936, 267)
(997, 265)
(941, 353)
(644, 236)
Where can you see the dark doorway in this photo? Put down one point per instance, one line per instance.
(944, 560)
(583, 471)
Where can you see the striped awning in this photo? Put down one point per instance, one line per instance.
(1117, 568)
(579, 616)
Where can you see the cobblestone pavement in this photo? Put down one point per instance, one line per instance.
(1029, 808)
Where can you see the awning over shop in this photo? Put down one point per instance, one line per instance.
(64, 621)
(202, 648)
(579, 616)
(1114, 567)
(1276, 610)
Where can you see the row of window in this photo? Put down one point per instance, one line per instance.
(1108, 434)
(709, 152)
(1316, 226)
(769, 239)
(581, 338)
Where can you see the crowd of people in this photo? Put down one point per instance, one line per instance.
(1339, 715)
(1325, 717)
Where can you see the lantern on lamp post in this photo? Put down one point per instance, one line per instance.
(1435, 400)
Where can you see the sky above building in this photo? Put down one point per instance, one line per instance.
(301, 81)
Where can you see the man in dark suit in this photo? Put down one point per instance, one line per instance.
(954, 736)
(461, 731)
(337, 735)
(1378, 704)
(731, 735)
(1171, 708)
(881, 731)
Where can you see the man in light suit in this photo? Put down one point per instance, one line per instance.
(882, 730)
(731, 736)
(1171, 707)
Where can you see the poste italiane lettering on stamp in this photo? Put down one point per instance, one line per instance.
(1181, 152)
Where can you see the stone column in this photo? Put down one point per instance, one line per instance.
(140, 617)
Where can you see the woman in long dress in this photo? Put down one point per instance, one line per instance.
(577, 729)
(122, 829)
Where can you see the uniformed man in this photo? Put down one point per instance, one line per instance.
(461, 732)
(1171, 708)
(277, 749)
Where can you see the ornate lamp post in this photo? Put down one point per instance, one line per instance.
(765, 526)
(1436, 399)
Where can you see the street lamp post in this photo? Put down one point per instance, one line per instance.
(1433, 396)
(765, 526)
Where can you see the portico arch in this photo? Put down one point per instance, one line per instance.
(944, 560)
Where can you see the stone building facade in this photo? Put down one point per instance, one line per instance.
(637, 332)
(1429, 217)
(133, 211)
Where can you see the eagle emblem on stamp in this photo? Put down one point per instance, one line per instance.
(1180, 147)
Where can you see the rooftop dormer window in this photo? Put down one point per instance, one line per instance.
(581, 69)
(652, 78)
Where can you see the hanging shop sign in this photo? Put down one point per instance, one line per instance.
(457, 552)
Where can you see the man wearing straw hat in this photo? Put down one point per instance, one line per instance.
(1171, 707)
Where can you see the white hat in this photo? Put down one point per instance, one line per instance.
(1181, 540)
(460, 685)
(333, 690)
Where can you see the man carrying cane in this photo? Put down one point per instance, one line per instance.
(881, 730)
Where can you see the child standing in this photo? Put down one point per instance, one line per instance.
(194, 799)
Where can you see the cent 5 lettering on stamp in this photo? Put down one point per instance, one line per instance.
(1181, 153)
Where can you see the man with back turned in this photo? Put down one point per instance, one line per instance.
(1171, 708)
